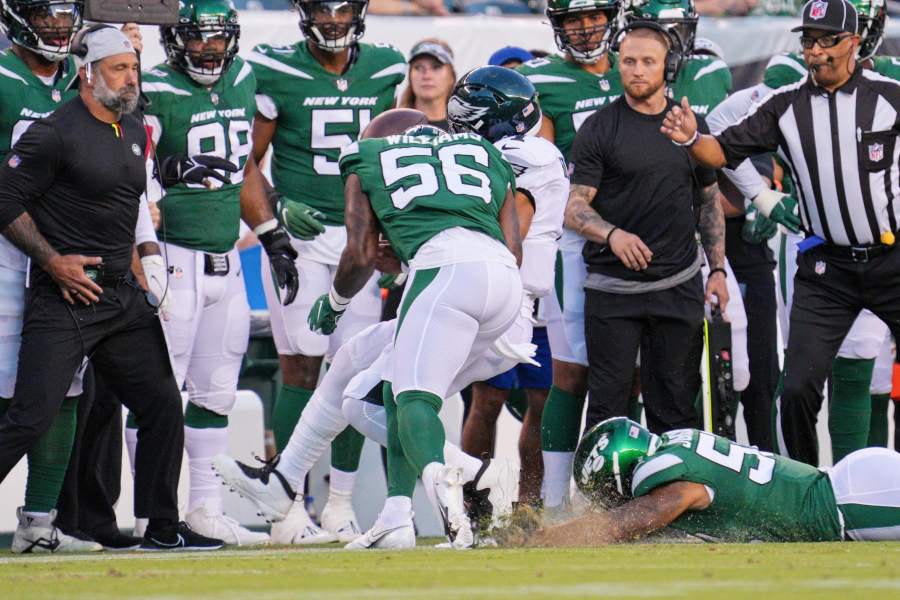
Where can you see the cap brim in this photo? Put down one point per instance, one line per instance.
(818, 27)
(441, 59)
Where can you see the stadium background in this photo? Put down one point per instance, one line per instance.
(747, 44)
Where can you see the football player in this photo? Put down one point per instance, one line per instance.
(314, 98)
(202, 100)
(711, 487)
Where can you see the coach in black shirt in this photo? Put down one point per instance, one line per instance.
(637, 198)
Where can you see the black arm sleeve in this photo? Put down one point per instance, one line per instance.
(705, 177)
(28, 171)
(757, 133)
(587, 153)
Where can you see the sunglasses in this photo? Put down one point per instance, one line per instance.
(825, 41)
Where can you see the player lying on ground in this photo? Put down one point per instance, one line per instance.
(711, 487)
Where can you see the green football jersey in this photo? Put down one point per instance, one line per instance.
(421, 186)
(568, 94)
(319, 113)
(189, 118)
(26, 98)
(789, 67)
(705, 80)
(756, 495)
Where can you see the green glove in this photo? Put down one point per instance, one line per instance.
(301, 221)
(779, 207)
(757, 228)
(391, 281)
(324, 315)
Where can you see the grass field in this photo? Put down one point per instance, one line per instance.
(760, 571)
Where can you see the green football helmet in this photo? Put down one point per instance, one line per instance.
(607, 456)
(424, 131)
(46, 27)
(872, 18)
(199, 22)
(678, 17)
(494, 102)
(573, 37)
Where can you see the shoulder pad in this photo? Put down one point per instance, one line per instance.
(524, 152)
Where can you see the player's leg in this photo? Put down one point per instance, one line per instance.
(882, 384)
(866, 487)
(537, 382)
(488, 398)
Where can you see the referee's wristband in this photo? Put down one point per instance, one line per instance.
(690, 142)
(718, 270)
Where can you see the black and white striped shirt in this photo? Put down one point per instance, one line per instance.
(841, 149)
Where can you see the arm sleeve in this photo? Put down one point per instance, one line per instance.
(587, 154)
(28, 170)
(747, 179)
(143, 231)
(757, 133)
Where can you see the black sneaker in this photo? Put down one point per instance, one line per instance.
(179, 536)
(117, 542)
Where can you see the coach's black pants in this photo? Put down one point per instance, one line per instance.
(666, 326)
(752, 265)
(124, 340)
(829, 293)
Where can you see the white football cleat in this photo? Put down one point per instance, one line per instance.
(264, 486)
(380, 537)
(298, 529)
(339, 519)
(444, 486)
(490, 496)
(215, 524)
(39, 535)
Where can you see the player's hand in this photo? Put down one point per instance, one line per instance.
(387, 260)
(779, 207)
(630, 249)
(133, 32)
(277, 244)
(757, 227)
(67, 270)
(198, 169)
(391, 281)
(324, 315)
(158, 282)
(716, 286)
(302, 221)
(680, 123)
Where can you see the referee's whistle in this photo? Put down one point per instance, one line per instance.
(888, 238)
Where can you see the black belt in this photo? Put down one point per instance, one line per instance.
(857, 253)
(106, 279)
(216, 265)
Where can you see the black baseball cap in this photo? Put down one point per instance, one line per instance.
(829, 15)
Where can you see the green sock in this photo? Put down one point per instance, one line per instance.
(421, 430)
(878, 424)
(401, 475)
(290, 403)
(346, 449)
(561, 421)
(48, 460)
(198, 417)
(850, 408)
(635, 408)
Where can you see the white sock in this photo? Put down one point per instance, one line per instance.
(131, 444)
(340, 483)
(456, 457)
(319, 424)
(34, 515)
(202, 445)
(557, 475)
(397, 511)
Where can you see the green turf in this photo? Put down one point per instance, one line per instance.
(723, 572)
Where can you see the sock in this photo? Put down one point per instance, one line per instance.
(401, 474)
(421, 431)
(288, 406)
(455, 456)
(318, 426)
(367, 418)
(397, 511)
(850, 409)
(340, 482)
(878, 423)
(557, 477)
(48, 460)
(205, 436)
(34, 514)
(346, 450)
(560, 426)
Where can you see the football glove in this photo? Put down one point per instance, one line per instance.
(198, 169)
(282, 255)
(779, 207)
(325, 314)
(757, 228)
(302, 221)
(391, 281)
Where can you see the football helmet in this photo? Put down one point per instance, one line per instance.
(579, 41)
(202, 20)
(678, 17)
(872, 18)
(607, 456)
(494, 102)
(344, 22)
(46, 27)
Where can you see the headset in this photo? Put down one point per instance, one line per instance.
(79, 46)
(673, 58)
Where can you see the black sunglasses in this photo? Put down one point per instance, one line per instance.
(825, 41)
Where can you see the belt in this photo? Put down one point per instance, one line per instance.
(106, 279)
(860, 254)
(216, 265)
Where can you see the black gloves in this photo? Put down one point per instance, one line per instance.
(179, 168)
(282, 255)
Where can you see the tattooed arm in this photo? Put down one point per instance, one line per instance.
(712, 236)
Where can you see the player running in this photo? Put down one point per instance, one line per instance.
(314, 98)
(709, 486)
(202, 100)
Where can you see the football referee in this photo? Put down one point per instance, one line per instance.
(837, 132)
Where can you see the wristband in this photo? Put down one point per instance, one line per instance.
(609, 235)
(718, 270)
(338, 303)
(690, 142)
(266, 227)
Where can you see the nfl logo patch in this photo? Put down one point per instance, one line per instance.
(820, 267)
(604, 85)
(14, 161)
(876, 152)
(55, 96)
(818, 9)
(214, 97)
(342, 84)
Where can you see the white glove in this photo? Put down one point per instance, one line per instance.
(523, 352)
(157, 282)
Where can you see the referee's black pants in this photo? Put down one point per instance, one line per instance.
(123, 338)
(829, 292)
(667, 327)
